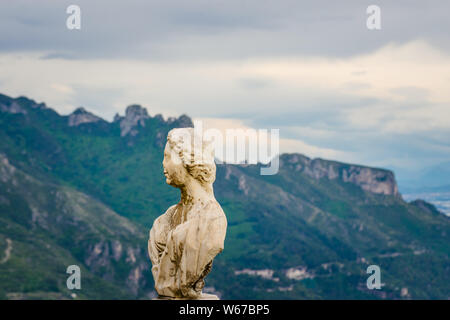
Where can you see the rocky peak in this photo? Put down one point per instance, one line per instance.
(40, 106)
(117, 117)
(19, 105)
(12, 107)
(374, 180)
(135, 115)
(136, 111)
(159, 117)
(80, 116)
(185, 122)
(181, 122)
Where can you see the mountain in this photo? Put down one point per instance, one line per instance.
(309, 231)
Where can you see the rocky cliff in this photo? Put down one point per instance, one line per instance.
(374, 180)
(80, 116)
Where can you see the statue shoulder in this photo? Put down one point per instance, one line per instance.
(165, 217)
(214, 209)
(170, 211)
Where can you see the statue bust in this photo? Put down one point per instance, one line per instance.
(184, 240)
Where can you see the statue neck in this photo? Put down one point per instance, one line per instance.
(193, 192)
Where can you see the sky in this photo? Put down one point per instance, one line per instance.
(311, 69)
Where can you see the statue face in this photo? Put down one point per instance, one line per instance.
(174, 171)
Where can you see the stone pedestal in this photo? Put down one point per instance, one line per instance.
(204, 296)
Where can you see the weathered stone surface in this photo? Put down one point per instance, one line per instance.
(203, 296)
(184, 240)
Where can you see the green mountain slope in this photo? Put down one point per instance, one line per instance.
(45, 228)
(309, 231)
(333, 230)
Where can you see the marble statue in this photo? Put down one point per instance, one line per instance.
(184, 240)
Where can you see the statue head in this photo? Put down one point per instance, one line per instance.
(188, 156)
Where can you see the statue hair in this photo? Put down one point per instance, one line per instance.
(198, 157)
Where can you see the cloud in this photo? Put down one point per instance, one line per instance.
(309, 68)
(255, 83)
(62, 88)
(216, 30)
(285, 145)
(396, 109)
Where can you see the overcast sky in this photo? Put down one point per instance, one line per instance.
(310, 68)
